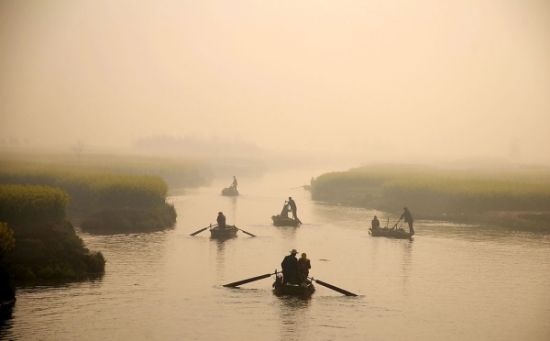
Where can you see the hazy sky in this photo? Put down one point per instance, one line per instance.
(427, 78)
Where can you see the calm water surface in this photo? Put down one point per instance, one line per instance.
(452, 282)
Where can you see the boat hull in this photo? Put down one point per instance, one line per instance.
(302, 290)
(279, 220)
(230, 192)
(305, 289)
(229, 231)
(390, 233)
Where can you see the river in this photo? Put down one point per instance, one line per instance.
(452, 282)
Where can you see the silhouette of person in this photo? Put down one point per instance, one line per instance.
(284, 211)
(375, 223)
(221, 220)
(290, 268)
(407, 217)
(294, 209)
(304, 265)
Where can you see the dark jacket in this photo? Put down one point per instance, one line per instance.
(289, 263)
(292, 204)
(290, 269)
(284, 211)
(303, 266)
(221, 220)
(407, 216)
(375, 223)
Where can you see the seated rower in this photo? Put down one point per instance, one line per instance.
(375, 224)
(290, 268)
(304, 265)
(221, 220)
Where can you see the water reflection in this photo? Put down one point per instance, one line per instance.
(233, 209)
(481, 233)
(406, 263)
(219, 244)
(294, 317)
(287, 232)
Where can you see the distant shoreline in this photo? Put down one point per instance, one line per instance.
(514, 199)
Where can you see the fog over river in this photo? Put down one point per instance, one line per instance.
(451, 282)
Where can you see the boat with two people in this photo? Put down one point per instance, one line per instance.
(294, 279)
(303, 290)
(394, 232)
(231, 191)
(283, 219)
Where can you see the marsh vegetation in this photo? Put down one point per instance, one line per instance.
(517, 197)
(109, 194)
(42, 195)
(44, 245)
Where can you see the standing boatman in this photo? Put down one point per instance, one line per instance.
(234, 184)
(407, 216)
(294, 209)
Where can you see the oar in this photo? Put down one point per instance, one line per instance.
(199, 231)
(248, 233)
(335, 288)
(248, 280)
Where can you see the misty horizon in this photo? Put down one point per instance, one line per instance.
(377, 81)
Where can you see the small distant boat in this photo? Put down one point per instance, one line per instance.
(398, 233)
(279, 220)
(230, 191)
(306, 289)
(229, 231)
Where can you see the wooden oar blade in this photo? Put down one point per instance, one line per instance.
(199, 231)
(248, 280)
(335, 288)
(248, 233)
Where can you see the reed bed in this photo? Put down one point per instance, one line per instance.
(433, 191)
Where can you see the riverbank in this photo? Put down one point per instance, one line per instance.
(45, 246)
(102, 199)
(518, 198)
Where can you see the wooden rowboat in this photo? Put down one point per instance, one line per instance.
(230, 191)
(229, 231)
(398, 233)
(305, 289)
(279, 220)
